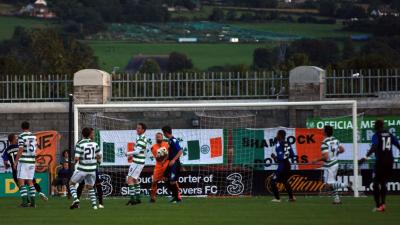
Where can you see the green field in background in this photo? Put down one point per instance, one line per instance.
(306, 30)
(118, 53)
(8, 25)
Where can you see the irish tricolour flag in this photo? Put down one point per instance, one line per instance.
(200, 146)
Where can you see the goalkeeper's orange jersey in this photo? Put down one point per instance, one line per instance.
(160, 167)
(154, 149)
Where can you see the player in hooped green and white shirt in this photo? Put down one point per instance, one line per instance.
(138, 157)
(26, 159)
(330, 149)
(87, 158)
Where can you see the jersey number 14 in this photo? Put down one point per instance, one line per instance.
(386, 143)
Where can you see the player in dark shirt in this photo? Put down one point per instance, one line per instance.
(98, 186)
(9, 156)
(282, 174)
(382, 144)
(174, 167)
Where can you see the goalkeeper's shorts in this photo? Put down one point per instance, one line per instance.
(159, 171)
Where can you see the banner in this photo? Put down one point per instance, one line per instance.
(216, 183)
(343, 126)
(311, 182)
(8, 188)
(306, 144)
(46, 155)
(3, 146)
(200, 146)
(191, 183)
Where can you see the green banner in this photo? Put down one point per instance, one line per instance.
(343, 126)
(194, 150)
(108, 152)
(247, 145)
(8, 188)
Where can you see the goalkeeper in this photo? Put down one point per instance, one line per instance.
(161, 164)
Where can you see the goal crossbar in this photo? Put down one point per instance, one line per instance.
(242, 103)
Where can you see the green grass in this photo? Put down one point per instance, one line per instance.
(114, 53)
(8, 25)
(306, 30)
(193, 211)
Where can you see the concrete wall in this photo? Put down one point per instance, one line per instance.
(93, 86)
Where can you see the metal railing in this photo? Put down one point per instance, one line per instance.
(35, 88)
(188, 86)
(382, 83)
(363, 83)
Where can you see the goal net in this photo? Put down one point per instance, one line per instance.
(227, 147)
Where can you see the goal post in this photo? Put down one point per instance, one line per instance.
(233, 104)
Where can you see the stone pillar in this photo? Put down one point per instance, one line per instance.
(92, 87)
(306, 83)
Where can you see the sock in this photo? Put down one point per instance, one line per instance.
(376, 194)
(137, 189)
(32, 195)
(24, 194)
(99, 192)
(37, 187)
(289, 189)
(338, 185)
(132, 192)
(153, 192)
(179, 192)
(92, 196)
(72, 188)
(80, 189)
(335, 196)
(383, 193)
(175, 191)
(275, 189)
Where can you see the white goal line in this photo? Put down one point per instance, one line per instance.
(241, 103)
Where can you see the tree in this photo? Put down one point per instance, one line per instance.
(150, 66)
(295, 60)
(264, 58)
(299, 59)
(217, 15)
(320, 52)
(348, 49)
(231, 15)
(145, 11)
(44, 51)
(370, 61)
(261, 3)
(350, 10)
(235, 68)
(178, 62)
(327, 8)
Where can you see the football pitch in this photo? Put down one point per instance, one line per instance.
(218, 211)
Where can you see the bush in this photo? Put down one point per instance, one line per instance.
(311, 19)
